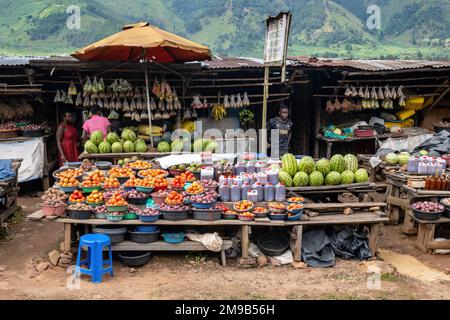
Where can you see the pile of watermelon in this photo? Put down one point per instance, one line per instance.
(178, 145)
(112, 143)
(307, 172)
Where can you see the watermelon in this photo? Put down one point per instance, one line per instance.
(177, 146)
(361, 175)
(403, 158)
(198, 145)
(315, 179)
(167, 136)
(301, 179)
(391, 158)
(347, 177)
(285, 178)
(128, 135)
(211, 146)
(140, 147)
(90, 147)
(307, 165)
(337, 163)
(333, 178)
(351, 162)
(128, 146)
(117, 147)
(112, 137)
(139, 140)
(163, 146)
(96, 137)
(289, 164)
(323, 166)
(104, 147)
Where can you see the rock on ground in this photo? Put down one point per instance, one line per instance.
(53, 257)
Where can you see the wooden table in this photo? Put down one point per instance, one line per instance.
(374, 220)
(400, 197)
(360, 189)
(330, 141)
(413, 195)
(425, 235)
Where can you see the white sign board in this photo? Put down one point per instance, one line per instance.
(276, 39)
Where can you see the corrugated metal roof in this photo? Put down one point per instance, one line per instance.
(19, 61)
(370, 65)
(14, 61)
(232, 63)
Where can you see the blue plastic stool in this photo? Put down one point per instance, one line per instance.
(94, 261)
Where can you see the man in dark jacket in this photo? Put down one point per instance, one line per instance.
(283, 124)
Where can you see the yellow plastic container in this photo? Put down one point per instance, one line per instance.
(405, 114)
(403, 124)
(416, 103)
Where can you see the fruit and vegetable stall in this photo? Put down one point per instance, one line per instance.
(120, 200)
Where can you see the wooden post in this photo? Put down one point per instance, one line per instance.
(395, 214)
(317, 109)
(223, 258)
(374, 232)
(425, 235)
(296, 242)
(265, 96)
(67, 237)
(245, 243)
(408, 222)
(329, 147)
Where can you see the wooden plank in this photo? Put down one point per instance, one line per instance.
(374, 233)
(296, 242)
(67, 237)
(186, 245)
(245, 241)
(439, 221)
(327, 188)
(7, 213)
(393, 200)
(318, 206)
(443, 244)
(425, 235)
(355, 218)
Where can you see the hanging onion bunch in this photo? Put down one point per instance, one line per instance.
(6, 113)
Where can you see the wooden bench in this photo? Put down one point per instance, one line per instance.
(374, 220)
(425, 234)
(186, 245)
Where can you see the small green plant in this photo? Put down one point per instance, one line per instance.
(389, 277)
(195, 256)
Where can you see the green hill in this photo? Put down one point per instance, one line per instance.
(235, 27)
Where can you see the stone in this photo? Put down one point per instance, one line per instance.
(65, 261)
(312, 213)
(133, 270)
(42, 266)
(261, 261)
(348, 211)
(274, 262)
(375, 266)
(247, 262)
(299, 265)
(54, 257)
(3, 268)
(68, 256)
(374, 209)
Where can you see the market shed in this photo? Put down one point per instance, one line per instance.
(424, 83)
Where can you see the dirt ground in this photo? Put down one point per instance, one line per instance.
(405, 273)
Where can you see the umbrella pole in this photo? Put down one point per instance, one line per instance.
(148, 104)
